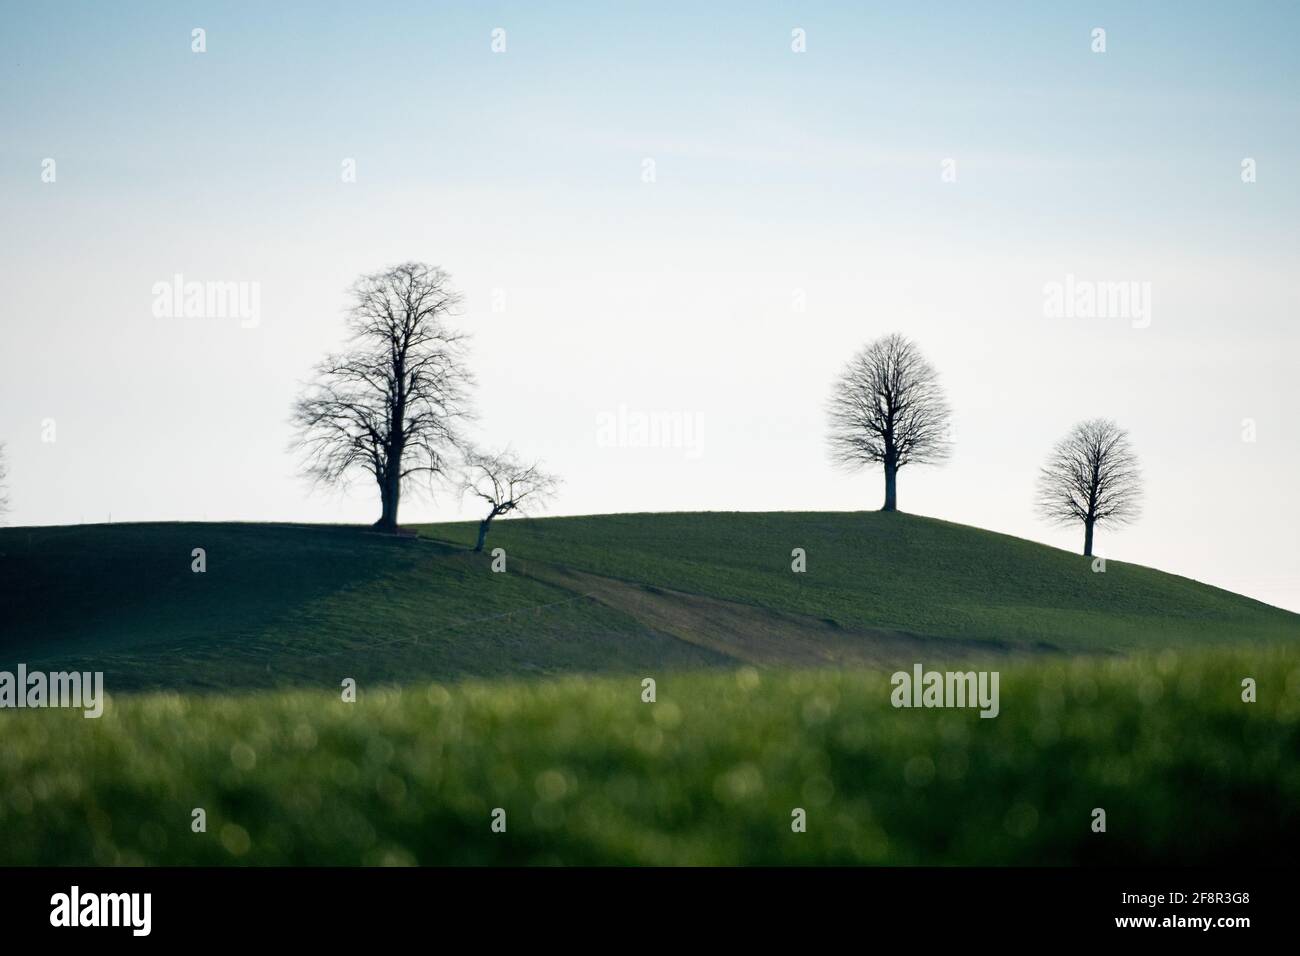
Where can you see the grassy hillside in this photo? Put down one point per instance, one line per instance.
(709, 773)
(283, 605)
(898, 572)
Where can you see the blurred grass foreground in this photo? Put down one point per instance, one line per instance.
(581, 771)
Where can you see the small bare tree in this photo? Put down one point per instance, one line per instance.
(391, 405)
(505, 483)
(888, 408)
(1092, 477)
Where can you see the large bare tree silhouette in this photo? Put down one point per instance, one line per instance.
(1091, 477)
(392, 404)
(888, 408)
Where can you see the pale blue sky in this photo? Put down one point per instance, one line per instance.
(777, 174)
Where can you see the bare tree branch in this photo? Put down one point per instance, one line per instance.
(393, 404)
(887, 407)
(1092, 477)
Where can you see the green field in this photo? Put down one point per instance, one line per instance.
(522, 690)
(709, 773)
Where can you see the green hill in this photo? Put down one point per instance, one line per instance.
(450, 722)
(299, 605)
(286, 605)
(897, 572)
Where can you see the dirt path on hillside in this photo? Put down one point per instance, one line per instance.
(761, 636)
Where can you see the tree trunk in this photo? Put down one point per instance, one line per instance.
(390, 484)
(1087, 538)
(891, 487)
(482, 534)
(390, 492)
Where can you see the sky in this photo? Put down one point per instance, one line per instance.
(692, 213)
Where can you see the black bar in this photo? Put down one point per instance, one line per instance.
(329, 905)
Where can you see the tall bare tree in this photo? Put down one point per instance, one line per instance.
(506, 484)
(1091, 477)
(392, 404)
(888, 408)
